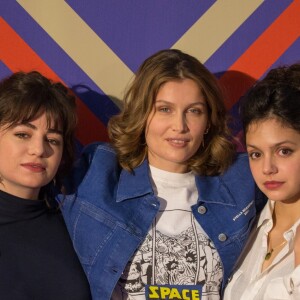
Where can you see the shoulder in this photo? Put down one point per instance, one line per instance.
(96, 159)
(238, 172)
(96, 150)
(232, 186)
(239, 165)
(238, 176)
(239, 180)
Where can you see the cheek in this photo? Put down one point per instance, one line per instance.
(255, 170)
(152, 141)
(292, 169)
(198, 133)
(153, 130)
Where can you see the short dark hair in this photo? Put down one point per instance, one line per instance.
(26, 95)
(276, 96)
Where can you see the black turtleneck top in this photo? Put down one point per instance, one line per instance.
(37, 259)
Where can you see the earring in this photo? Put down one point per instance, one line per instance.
(205, 132)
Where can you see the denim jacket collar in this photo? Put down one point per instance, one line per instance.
(129, 187)
(212, 189)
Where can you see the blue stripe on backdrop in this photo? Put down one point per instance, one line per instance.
(4, 71)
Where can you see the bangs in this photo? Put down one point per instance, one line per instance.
(54, 120)
(30, 112)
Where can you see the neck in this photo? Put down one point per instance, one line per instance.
(28, 194)
(286, 214)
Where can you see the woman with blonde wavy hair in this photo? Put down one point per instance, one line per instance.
(160, 212)
(127, 130)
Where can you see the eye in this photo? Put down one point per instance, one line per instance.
(164, 109)
(194, 110)
(254, 155)
(54, 142)
(285, 152)
(22, 135)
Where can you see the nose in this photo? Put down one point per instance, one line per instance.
(269, 166)
(37, 147)
(179, 123)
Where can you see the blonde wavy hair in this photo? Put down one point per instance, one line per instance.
(127, 129)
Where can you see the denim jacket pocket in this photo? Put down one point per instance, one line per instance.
(92, 230)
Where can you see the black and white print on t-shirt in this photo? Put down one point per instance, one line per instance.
(176, 250)
(188, 258)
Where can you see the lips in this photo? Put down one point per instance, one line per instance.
(177, 142)
(34, 167)
(273, 185)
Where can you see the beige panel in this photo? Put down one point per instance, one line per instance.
(215, 27)
(82, 44)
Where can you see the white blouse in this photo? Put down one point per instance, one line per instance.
(281, 280)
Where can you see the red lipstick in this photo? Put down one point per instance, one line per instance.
(273, 185)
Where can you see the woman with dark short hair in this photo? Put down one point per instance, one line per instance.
(37, 125)
(269, 267)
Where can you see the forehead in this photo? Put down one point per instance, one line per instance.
(46, 119)
(270, 130)
(184, 89)
(261, 124)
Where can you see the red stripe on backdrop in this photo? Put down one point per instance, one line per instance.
(17, 56)
(262, 54)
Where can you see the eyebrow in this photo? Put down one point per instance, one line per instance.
(194, 103)
(50, 130)
(275, 145)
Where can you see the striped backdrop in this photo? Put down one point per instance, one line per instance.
(95, 46)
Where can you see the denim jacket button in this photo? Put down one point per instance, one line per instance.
(202, 210)
(222, 237)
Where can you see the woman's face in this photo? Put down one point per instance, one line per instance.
(176, 125)
(30, 156)
(274, 152)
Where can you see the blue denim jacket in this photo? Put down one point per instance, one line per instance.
(109, 212)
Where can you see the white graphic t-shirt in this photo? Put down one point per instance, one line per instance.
(176, 250)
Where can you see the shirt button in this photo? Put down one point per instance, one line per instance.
(202, 210)
(222, 237)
